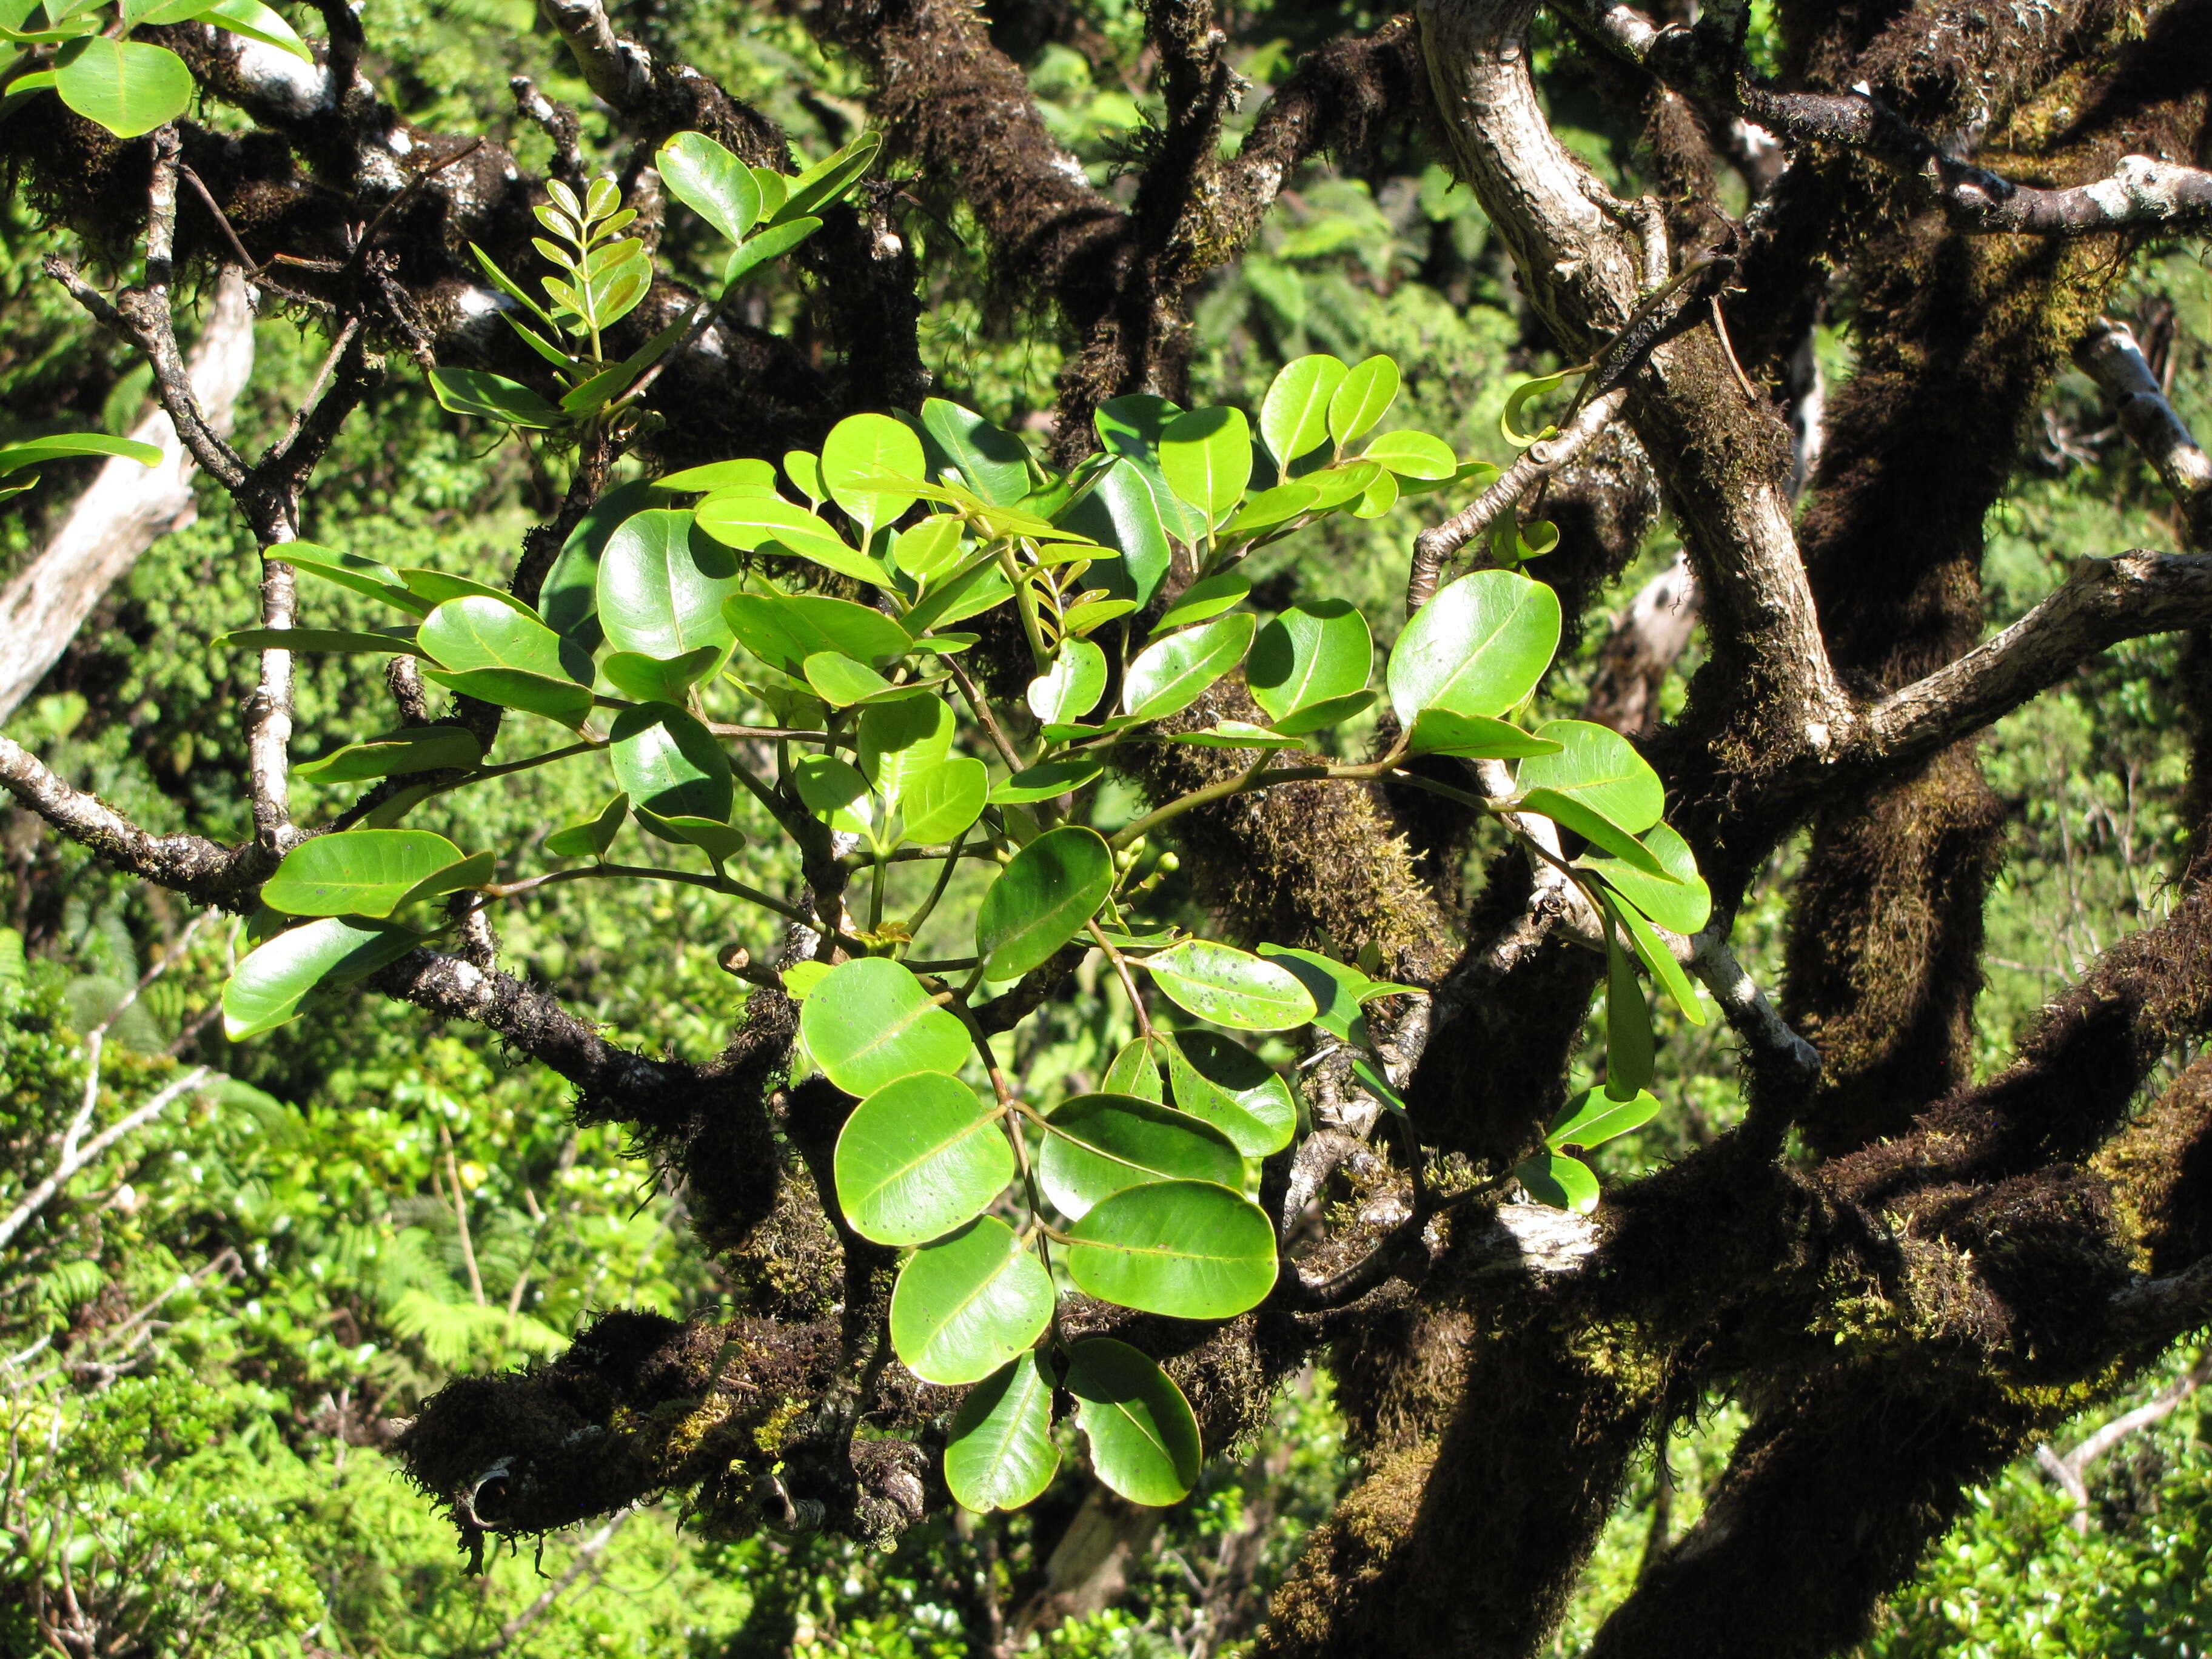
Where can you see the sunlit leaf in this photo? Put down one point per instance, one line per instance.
(919, 1156)
(1229, 986)
(1042, 899)
(1190, 1249)
(871, 1023)
(968, 1303)
(1144, 1441)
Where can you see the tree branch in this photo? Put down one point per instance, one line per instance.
(2109, 355)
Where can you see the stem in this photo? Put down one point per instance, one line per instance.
(1128, 982)
(944, 879)
(1025, 602)
(713, 883)
(1243, 785)
(984, 717)
(876, 897)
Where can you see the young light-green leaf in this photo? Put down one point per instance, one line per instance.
(1144, 1441)
(994, 462)
(710, 181)
(1042, 899)
(999, 1455)
(1595, 1116)
(861, 458)
(1170, 675)
(1362, 398)
(1595, 765)
(1095, 1146)
(272, 985)
(968, 1303)
(1682, 905)
(125, 86)
(591, 837)
(1478, 647)
(1190, 1249)
(355, 872)
(1477, 737)
(1658, 961)
(1206, 456)
(1294, 414)
(478, 631)
(1413, 455)
(870, 1023)
(1134, 1072)
(1071, 688)
(1314, 652)
(918, 1156)
(940, 803)
(1229, 986)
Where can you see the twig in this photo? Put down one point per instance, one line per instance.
(68, 1166)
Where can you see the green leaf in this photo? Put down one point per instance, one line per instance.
(1594, 1116)
(1122, 511)
(1134, 1072)
(999, 1455)
(1595, 765)
(493, 398)
(1440, 731)
(1170, 675)
(940, 803)
(410, 749)
(1206, 456)
(570, 599)
(1315, 652)
(931, 549)
(1362, 398)
(1330, 711)
(1236, 734)
(719, 841)
(829, 177)
(1478, 647)
(661, 586)
(1201, 599)
(1563, 1183)
(125, 86)
(669, 764)
(1042, 899)
(833, 789)
(512, 688)
(1271, 507)
(965, 1305)
(255, 22)
(785, 629)
(841, 681)
(918, 1156)
(357, 872)
(649, 679)
(1657, 959)
(1144, 1441)
(60, 445)
(1229, 1086)
(591, 837)
(898, 741)
(1378, 497)
(870, 1023)
(1229, 987)
(861, 458)
(1371, 1079)
(1071, 688)
(1628, 1061)
(1570, 814)
(1294, 414)
(770, 244)
(1190, 1249)
(1682, 905)
(750, 523)
(1088, 617)
(1338, 991)
(439, 585)
(801, 978)
(710, 181)
(479, 631)
(994, 462)
(274, 983)
(1098, 1144)
(1044, 781)
(1518, 400)
(337, 641)
(717, 475)
(474, 871)
(1413, 455)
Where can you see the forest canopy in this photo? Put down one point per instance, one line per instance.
(873, 828)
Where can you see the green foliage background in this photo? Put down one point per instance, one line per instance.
(197, 1343)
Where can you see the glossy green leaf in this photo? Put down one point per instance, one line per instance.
(1096, 1145)
(661, 586)
(993, 461)
(478, 631)
(591, 837)
(1362, 398)
(1333, 487)
(968, 1303)
(870, 1023)
(804, 468)
(918, 1156)
(719, 841)
(833, 789)
(1042, 782)
(801, 978)
(1226, 1085)
(861, 455)
(841, 681)
(256, 21)
(1683, 905)
(668, 763)
(439, 586)
(784, 630)
(1370, 1078)
(357, 872)
(1079, 620)
(1594, 764)
(1134, 1072)
(1478, 647)
(648, 680)
(1339, 991)
(771, 244)
(1170, 675)
(1122, 511)
(931, 549)
(1571, 812)
(1658, 961)
(1190, 1249)
(1229, 986)
(351, 571)
(1330, 711)
(475, 871)
(125, 86)
(1594, 1117)
(513, 687)
(828, 179)
(1413, 455)
(1201, 599)
(1314, 652)
(1270, 508)
(1001, 1454)
(752, 523)
(900, 740)
(272, 985)
(1294, 414)
(1144, 1441)
(59, 446)
(1378, 497)
(1206, 455)
(938, 803)
(1071, 688)
(1042, 899)
(1628, 1047)
(1519, 398)
(410, 749)
(493, 398)
(337, 642)
(1478, 737)
(710, 181)
(716, 476)
(1563, 1183)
